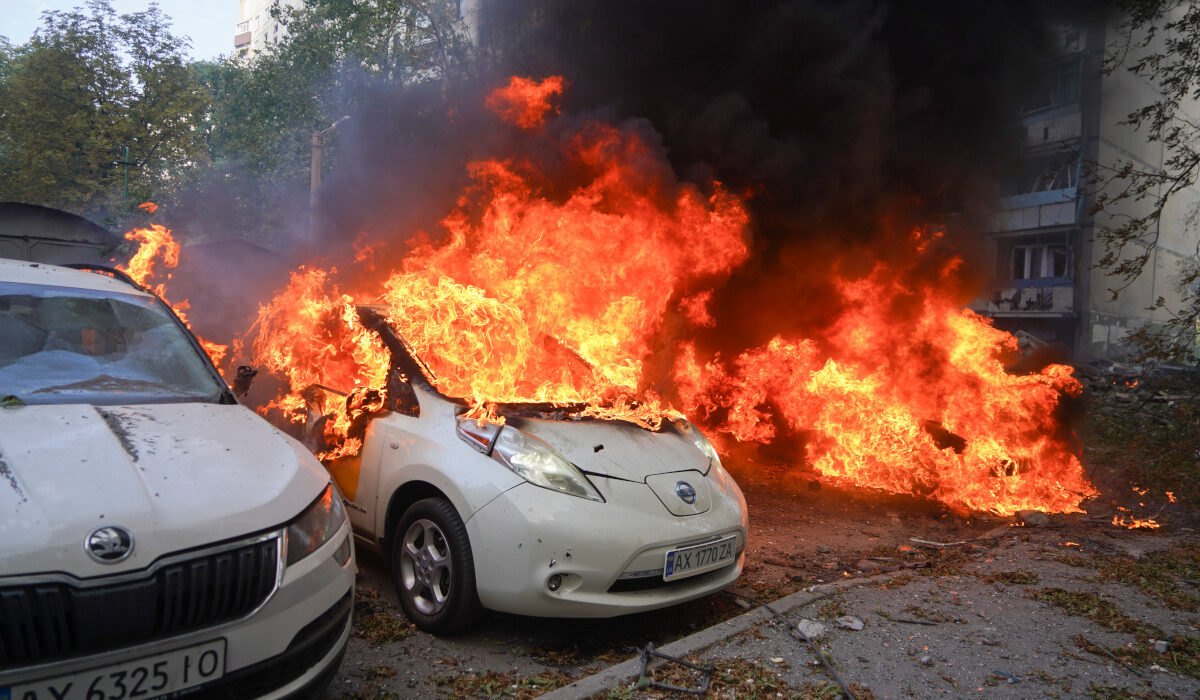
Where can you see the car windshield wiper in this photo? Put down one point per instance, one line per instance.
(104, 382)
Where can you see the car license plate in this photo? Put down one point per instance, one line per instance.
(147, 677)
(689, 561)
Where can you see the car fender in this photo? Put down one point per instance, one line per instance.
(408, 448)
(467, 503)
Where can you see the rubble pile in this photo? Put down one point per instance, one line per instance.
(1149, 387)
(1143, 430)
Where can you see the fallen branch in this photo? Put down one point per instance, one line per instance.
(937, 545)
(1089, 645)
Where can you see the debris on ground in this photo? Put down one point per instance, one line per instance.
(849, 622)
(1033, 518)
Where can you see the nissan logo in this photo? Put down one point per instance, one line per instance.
(686, 493)
(109, 544)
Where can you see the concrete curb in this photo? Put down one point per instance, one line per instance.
(627, 671)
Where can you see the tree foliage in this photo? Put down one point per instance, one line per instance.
(396, 41)
(333, 55)
(1160, 41)
(88, 85)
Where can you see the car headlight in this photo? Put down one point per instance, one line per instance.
(315, 526)
(700, 442)
(534, 460)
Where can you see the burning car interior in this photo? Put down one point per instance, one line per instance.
(456, 463)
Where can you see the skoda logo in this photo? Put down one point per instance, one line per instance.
(109, 544)
(686, 493)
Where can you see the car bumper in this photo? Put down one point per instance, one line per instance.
(528, 534)
(293, 641)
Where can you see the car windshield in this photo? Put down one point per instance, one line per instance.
(66, 345)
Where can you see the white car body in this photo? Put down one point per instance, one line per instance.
(608, 555)
(207, 490)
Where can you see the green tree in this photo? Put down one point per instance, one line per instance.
(333, 56)
(88, 85)
(396, 41)
(1159, 41)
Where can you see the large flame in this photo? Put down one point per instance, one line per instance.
(530, 298)
(573, 294)
(919, 404)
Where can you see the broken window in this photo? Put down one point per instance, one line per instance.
(1039, 261)
(1059, 171)
(1038, 257)
(75, 345)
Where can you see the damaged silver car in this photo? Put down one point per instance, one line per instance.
(549, 514)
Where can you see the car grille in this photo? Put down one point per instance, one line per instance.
(42, 622)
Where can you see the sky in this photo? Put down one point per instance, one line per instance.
(210, 24)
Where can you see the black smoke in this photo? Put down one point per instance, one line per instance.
(842, 122)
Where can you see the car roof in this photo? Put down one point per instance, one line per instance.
(24, 272)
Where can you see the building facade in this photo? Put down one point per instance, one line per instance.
(256, 28)
(1042, 240)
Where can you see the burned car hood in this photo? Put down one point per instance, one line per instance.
(175, 475)
(617, 448)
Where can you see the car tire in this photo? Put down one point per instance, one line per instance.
(433, 568)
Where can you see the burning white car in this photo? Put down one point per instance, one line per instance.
(546, 515)
(156, 538)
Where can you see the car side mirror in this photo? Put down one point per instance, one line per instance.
(245, 377)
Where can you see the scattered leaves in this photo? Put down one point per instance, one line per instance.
(374, 622)
(1093, 607)
(1012, 577)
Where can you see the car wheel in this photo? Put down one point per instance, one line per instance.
(433, 567)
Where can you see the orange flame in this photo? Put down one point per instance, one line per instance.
(525, 102)
(155, 244)
(530, 298)
(922, 406)
(576, 298)
(1132, 523)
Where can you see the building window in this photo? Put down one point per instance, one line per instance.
(1043, 256)
(1044, 174)
(1057, 85)
(1040, 261)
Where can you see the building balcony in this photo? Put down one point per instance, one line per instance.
(1037, 210)
(1048, 297)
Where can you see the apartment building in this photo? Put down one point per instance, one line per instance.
(1042, 241)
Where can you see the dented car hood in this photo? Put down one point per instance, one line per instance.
(176, 475)
(616, 448)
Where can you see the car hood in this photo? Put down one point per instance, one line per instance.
(616, 448)
(175, 475)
